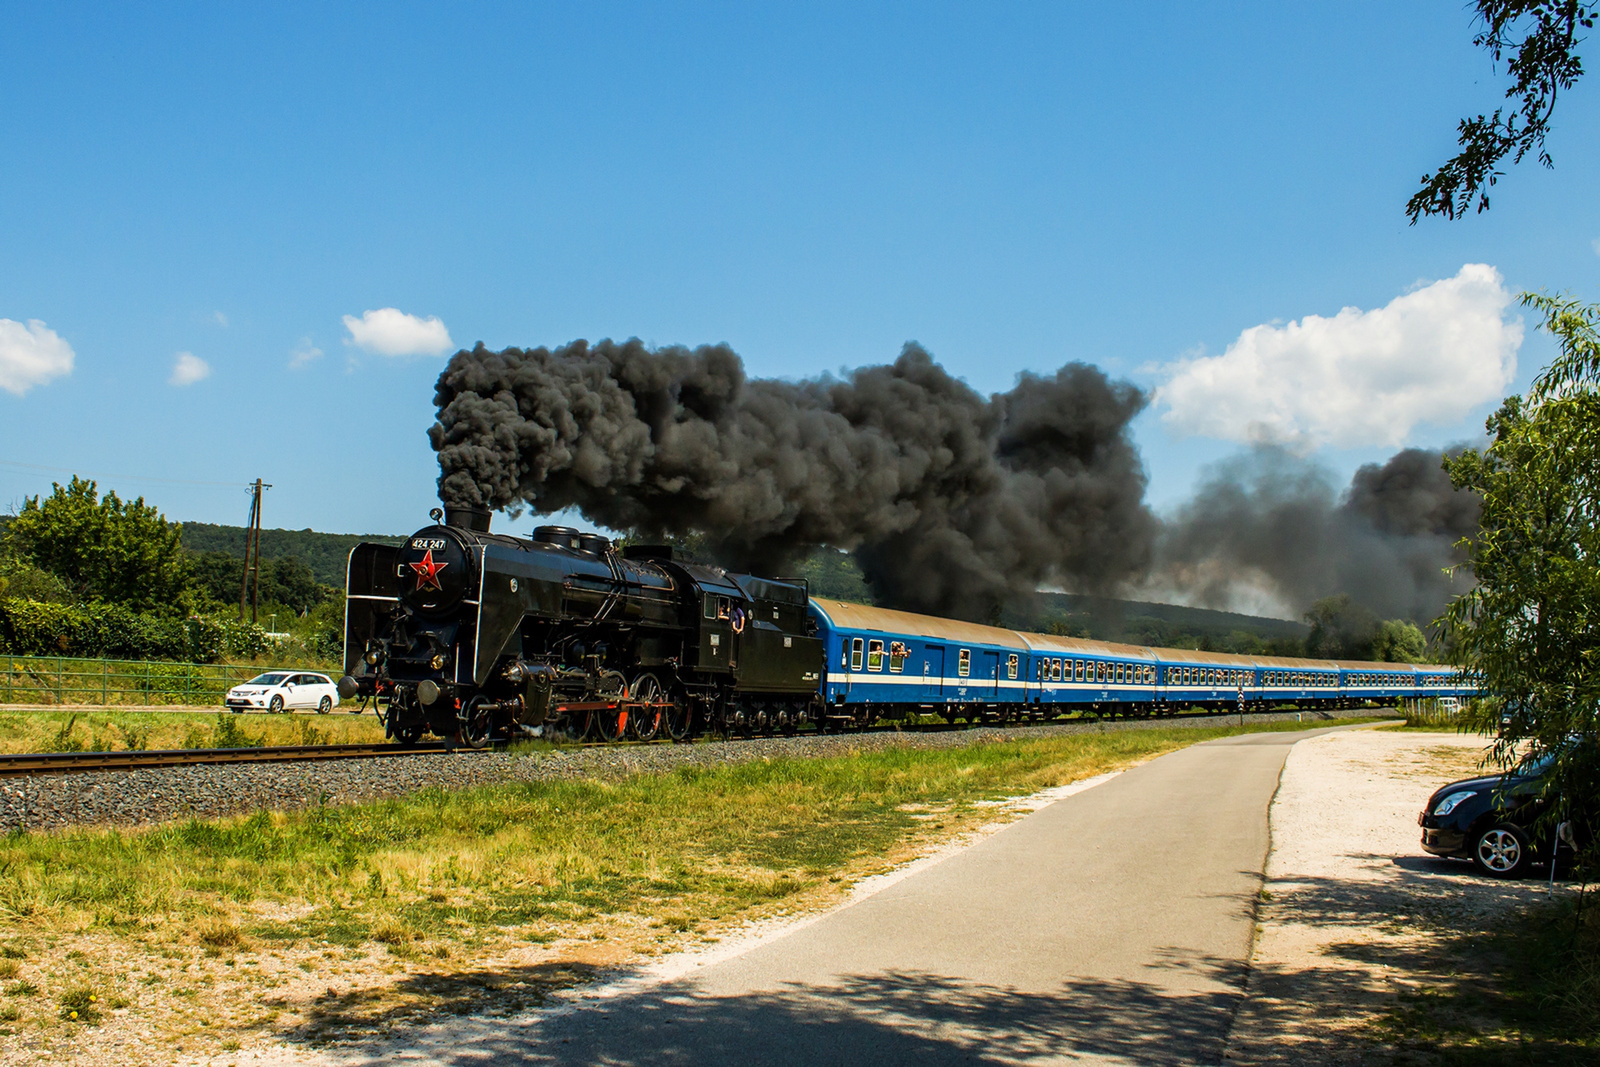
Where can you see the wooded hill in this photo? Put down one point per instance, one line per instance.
(326, 554)
(835, 574)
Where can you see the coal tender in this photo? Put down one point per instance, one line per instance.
(471, 636)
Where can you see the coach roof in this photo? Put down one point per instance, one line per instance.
(844, 615)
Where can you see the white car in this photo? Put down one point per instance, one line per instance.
(283, 691)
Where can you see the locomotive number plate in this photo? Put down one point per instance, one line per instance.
(436, 544)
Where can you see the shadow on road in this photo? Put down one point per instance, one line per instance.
(890, 1018)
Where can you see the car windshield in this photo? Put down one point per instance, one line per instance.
(1536, 766)
(267, 679)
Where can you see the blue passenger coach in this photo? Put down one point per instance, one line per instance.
(880, 661)
(891, 663)
(1070, 672)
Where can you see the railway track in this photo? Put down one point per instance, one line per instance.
(13, 765)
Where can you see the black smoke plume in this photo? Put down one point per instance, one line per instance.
(954, 503)
(1271, 527)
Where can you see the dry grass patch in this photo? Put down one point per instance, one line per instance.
(116, 731)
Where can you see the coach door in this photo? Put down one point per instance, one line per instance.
(933, 670)
(989, 672)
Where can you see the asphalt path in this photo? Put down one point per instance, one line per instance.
(1113, 926)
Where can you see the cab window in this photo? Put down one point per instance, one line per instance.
(874, 655)
(711, 606)
(964, 663)
(855, 654)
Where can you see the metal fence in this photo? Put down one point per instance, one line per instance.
(67, 680)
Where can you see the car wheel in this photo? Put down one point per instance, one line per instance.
(324, 705)
(275, 705)
(1502, 851)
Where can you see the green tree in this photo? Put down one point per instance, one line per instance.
(1529, 630)
(1399, 641)
(1340, 629)
(104, 548)
(1542, 39)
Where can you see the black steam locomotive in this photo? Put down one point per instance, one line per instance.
(472, 635)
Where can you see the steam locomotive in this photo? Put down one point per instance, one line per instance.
(471, 635)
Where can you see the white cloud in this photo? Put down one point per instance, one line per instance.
(1358, 378)
(31, 355)
(1595, 244)
(391, 332)
(220, 319)
(304, 352)
(188, 368)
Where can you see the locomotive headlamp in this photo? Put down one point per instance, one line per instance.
(372, 658)
(438, 661)
(427, 692)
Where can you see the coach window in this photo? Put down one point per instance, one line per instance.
(965, 663)
(855, 654)
(898, 654)
(1011, 666)
(874, 655)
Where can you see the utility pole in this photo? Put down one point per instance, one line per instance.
(251, 585)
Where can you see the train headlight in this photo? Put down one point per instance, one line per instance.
(438, 661)
(372, 658)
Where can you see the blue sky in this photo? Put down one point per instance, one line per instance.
(1015, 186)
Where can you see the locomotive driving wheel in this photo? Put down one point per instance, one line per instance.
(609, 725)
(680, 718)
(645, 721)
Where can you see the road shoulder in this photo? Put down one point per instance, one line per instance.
(1353, 915)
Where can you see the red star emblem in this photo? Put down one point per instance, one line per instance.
(428, 572)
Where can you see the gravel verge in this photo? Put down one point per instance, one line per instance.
(1353, 913)
(155, 795)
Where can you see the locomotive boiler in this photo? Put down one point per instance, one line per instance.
(472, 635)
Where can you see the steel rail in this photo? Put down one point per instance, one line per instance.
(15, 764)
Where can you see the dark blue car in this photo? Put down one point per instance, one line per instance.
(1490, 820)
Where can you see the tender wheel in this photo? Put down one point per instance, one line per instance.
(275, 705)
(1502, 851)
(324, 705)
(645, 723)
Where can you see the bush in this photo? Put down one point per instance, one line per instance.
(35, 628)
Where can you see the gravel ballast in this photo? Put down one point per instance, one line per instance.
(155, 795)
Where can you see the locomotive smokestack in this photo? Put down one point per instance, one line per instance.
(476, 519)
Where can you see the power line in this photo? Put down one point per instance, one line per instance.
(120, 477)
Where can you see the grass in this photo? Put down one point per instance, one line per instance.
(69, 731)
(1526, 990)
(448, 886)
